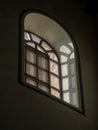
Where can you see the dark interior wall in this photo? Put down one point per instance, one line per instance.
(96, 26)
(23, 108)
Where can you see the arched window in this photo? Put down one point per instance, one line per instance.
(49, 60)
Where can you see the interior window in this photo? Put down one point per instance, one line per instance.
(50, 61)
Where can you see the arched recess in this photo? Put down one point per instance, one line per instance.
(50, 60)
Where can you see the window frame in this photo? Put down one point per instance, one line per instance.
(35, 50)
(77, 63)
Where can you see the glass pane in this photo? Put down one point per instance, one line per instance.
(42, 62)
(46, 46)
(64, 69)
(74, 83)
(52, 56)
(44, 88)
(31, 44)
(71, 44)
(55, 93)
(30, 56)
(65, 84)
(75, 100)
(54, 81)
(65, 49)
(73, 68)
(54, 67)
(63, 59)
(30, 69)
(43, 75)
(26, 36)
(35, 38)
(28, 80)
(66, 97)
(40, 49)
(72, 56)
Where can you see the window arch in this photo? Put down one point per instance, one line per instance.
(49, 60)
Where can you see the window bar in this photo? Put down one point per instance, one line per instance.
(40, 42)
(49, 77)
(30, 37)
(25, 63)
(36, 63)
(60, 79)
(70, 84)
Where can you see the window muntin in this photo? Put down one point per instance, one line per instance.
(64, 58)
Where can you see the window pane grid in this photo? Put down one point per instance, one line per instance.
(39, 65)
(36, 65)
(47, 73)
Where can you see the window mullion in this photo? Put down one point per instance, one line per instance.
(25, 62)
(60, 82)
(49, 75)
(36, 63)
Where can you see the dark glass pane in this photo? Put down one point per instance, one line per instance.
(30, 56)
(55, 93)
(43, 75)
(30, 81)
(35, 38)
(46, 46)
(30, 69)
(42, 62)
(40, 49)
(54, 81)
(31, 44)
(54, 68)
(44, 88)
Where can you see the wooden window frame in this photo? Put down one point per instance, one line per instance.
(21, 68)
